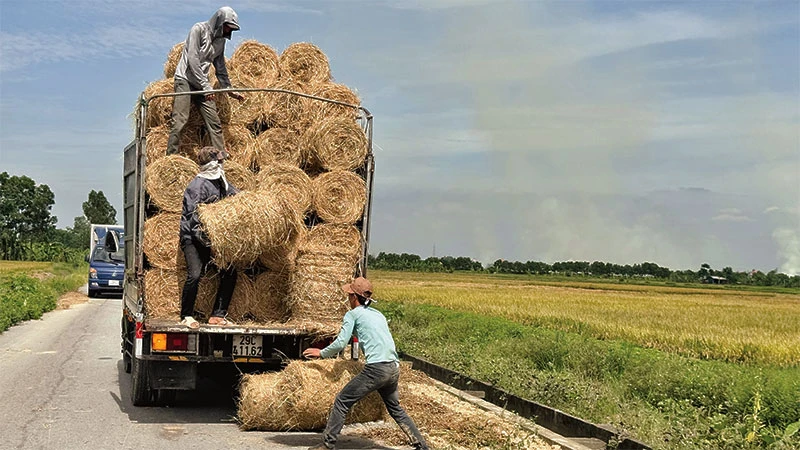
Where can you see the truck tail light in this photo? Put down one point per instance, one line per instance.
(139, 330)
(170, 341)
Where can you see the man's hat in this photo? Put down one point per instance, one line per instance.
(207, 154)
(360, 286)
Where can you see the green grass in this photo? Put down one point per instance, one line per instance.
(30, 289)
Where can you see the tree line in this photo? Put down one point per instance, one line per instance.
(28, 228)
(645, 270)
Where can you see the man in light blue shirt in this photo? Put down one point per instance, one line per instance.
(381, 372)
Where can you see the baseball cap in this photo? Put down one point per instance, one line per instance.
(360, 286)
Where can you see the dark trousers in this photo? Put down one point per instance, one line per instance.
(381, 377)
(197, 258)
(181, 106)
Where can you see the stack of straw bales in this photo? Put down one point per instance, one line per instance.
(291, 232)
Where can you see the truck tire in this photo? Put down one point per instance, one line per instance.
(141, 394)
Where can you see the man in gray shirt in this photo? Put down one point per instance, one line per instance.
(204, 46)
(381, 371)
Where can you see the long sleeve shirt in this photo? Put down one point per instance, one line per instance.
(372, 330)
(204, 46)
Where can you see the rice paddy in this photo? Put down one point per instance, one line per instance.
(733, 326)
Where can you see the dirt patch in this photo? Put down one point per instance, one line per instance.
(41, 276)
(71, 298)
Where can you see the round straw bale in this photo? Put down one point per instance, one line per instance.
(172, 60)
(240, 144)
(239, 176)
(277, 145)
(160, 109)
(300, 397)
(272, 302)
(244, 298)
(332, 239)
(287, 110)
(161, 242)
(246, 225)
(337, 143)
(250, 112)
(339, 196)
(333, 91)
(158, 137)
(288, 181)
(316, 286)
(254, 64)
(305, 63)
(166, 180)
(162, 292)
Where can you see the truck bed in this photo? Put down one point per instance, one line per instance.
(166, 325)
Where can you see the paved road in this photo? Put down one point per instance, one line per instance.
(62, 386)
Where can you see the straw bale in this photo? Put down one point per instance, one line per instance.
(333, 239)
(300, 397)
(339, 196)
(158, 137)
(159, 109)
(336, 143)
(333, 91)
(282, 258)
(272, 301)
(172, 60)
(167, 178)
(254, 65)
(239, 176)
(240, 144)
(316, 286)
(246, 225)
(162, 291)
(277, 145)
(449, 422)
(161, 242)
(288, 181)
(287, 110)
(249, 113)
(305, 63)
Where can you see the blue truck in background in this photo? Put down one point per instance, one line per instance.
(106, 259)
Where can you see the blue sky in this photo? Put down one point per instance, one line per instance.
(630, 131)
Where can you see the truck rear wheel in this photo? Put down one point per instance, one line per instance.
(141, 394)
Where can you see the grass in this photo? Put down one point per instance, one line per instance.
(30, 289)
(674, 367)
(752, 327)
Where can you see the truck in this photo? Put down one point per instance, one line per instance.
(106, 262)
(164, 357)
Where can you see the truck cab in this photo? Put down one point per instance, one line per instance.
(106, 271)
(106, 260)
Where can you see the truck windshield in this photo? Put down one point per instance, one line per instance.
(100, 254)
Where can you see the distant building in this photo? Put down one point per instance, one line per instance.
(712, 279)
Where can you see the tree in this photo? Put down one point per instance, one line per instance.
(98, 210)
(24, 213)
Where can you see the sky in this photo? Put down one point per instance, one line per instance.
(625, 132)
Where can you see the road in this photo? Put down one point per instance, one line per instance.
(62, 386)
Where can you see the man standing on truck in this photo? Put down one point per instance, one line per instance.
(381, 371)
(204, 46)
(209, 186)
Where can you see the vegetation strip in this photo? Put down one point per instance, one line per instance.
(28, 290)
(666, 400)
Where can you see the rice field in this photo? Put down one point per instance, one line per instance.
(761, 328)
(7, 267)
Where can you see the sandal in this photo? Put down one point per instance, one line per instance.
(190, 322)
(214, 320)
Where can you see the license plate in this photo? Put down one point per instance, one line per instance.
(113, 282)
(247, 345)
